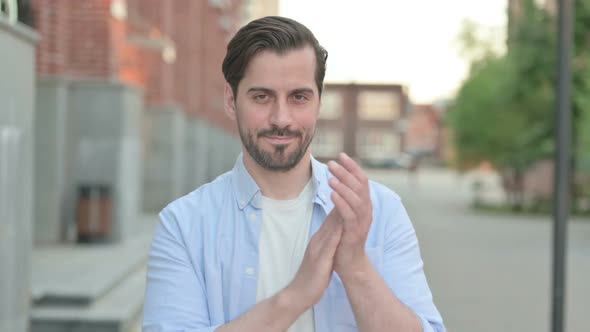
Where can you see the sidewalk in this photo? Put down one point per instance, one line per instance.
(95, 287)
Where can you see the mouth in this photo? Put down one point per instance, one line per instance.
(279, 140)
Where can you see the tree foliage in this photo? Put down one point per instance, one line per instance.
(504, 111)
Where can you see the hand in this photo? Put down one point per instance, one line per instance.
(315, 272)
(352, 201)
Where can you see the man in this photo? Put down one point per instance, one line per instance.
(282, 241)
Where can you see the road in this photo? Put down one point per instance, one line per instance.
(490, 271)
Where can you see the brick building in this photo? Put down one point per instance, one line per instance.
(171, 49)
(364, 120)
(424, 134)
(128, 116)
(130, 99)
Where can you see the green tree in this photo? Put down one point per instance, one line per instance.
(503, 113)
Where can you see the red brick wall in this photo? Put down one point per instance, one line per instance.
(90, 51)
(215, 40)
(194, 80)
(187, 32)
(423, 128)
(51, 19)
(151, 19)
(75, 38)
(82, 39)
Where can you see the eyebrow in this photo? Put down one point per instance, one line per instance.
(302, 90)
(271, 91)
(260, 89)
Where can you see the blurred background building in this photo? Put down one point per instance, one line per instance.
(426, 134)
(363, 120)
(380, 126)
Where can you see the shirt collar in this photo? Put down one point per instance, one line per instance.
(248, 192)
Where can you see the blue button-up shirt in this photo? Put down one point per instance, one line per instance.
(203, 263)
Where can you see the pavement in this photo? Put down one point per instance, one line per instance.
(490, 271)
(91, 287)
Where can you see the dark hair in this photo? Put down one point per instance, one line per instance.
(279, 34)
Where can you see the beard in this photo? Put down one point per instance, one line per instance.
(277, 159)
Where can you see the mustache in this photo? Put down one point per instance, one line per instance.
(279, 132)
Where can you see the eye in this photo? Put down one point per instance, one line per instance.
(299, 98)
(261, 97)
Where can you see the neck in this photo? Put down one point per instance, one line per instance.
(280, 185)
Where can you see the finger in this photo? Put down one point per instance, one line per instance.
(330, 239)
(351, 197)
(343, 208)
(344, 176)
(353, 168)
(333, 240)
(328, 225)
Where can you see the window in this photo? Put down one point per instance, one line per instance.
(328, 142)
(378, 105)
(331, 105)
(377, 144)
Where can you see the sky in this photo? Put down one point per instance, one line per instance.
(412, 42)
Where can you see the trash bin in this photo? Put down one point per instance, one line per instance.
(94, 213)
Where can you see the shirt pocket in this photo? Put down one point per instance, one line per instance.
(341, 312)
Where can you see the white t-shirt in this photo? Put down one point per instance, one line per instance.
(283, 240)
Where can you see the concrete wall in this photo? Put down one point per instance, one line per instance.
(107, 147)
(217, 151)
(165, 157)
(230, 147)
(182, 153)
(87, 133)
(197, 148)
(17, 102)
(53, 141)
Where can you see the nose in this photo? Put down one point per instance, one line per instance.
(281, 115)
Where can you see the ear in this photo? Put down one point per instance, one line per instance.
(229, 101)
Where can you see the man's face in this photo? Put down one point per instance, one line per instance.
(276, 107)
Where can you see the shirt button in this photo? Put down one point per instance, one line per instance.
(250, 271)
(242, 203)
(252, 217)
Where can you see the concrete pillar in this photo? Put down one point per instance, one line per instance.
(234, 147)
(210, 152)
(107, 148)
(53, 162)
(164, 173)
(216, 152)
(197, 153)
(224, 150)
(17, 102)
